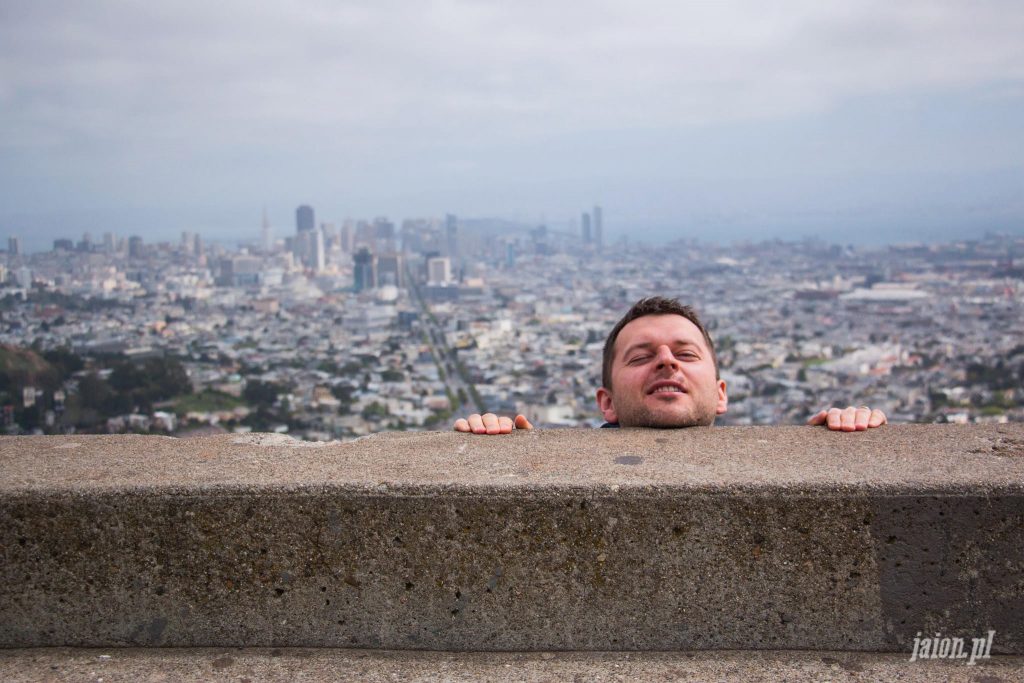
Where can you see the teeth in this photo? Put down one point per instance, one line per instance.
(662, 390)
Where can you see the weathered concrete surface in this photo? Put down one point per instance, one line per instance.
(739, 538)
(54, 665)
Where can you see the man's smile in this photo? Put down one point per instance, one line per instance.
(666, 386)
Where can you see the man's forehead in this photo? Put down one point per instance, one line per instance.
(659, 329)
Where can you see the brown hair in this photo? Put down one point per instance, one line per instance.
(654, 305)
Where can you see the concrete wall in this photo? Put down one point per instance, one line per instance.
(739, 538)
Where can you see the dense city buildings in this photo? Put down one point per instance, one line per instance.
(345, 329)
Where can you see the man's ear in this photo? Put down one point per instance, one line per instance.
(604, 404)
(723, 398)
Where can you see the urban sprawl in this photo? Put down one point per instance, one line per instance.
(345, 329)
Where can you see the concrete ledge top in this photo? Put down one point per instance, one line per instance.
(291, 664)
(894, 458)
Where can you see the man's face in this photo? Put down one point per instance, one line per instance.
(663, 375)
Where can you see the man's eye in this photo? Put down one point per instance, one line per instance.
(687, 355)
(637, 359)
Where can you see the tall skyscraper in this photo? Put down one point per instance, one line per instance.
(598, 228)
(304, 220)
(13, 246)
(384, 235)
(347, 234)
(330, 231)
(303, 246)
(451, 234)
(266, 239)
(319, 260)
(585, 220)
(363, 276)
(366, 236)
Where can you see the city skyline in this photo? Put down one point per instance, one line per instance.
(304, 226)
(731, 121)
(264, 228)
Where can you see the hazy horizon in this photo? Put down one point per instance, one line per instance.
(876, 123)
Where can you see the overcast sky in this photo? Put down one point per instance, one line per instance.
(871, 119)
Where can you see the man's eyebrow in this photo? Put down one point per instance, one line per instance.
(650, 345)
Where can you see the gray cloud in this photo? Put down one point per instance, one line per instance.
(239, 68)
(98, 96)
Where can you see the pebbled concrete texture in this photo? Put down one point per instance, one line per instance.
(713, 538)
(55, 665)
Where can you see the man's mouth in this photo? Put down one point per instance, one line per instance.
(666, 387)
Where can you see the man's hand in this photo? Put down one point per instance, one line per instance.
(849, 419)
(489, 423)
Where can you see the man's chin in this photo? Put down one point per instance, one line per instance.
(667, 419)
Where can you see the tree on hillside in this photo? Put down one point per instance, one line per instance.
(64, 361)
(20, 368)
(157, 379)
(260, 393)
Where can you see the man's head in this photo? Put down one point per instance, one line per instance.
(660, 369)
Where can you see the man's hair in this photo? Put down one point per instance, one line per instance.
(654, 305)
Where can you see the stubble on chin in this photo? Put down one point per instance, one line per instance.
(643, 416)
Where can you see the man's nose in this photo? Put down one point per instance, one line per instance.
(666, 358)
